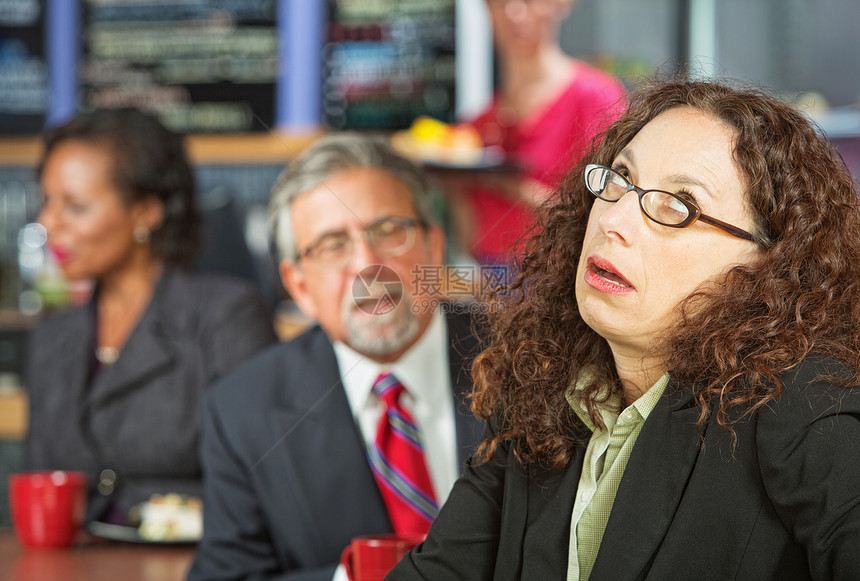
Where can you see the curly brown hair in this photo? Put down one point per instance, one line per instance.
(801, 294)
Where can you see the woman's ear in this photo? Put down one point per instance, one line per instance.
(149, 212)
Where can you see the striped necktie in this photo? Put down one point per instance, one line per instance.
(397, 460)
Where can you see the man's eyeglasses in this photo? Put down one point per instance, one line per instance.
(665, 208)
(388, 237)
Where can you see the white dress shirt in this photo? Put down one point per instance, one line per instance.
(424, 371)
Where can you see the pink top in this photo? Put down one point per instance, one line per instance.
(546, 144)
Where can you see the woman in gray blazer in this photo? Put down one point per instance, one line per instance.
(116, 385)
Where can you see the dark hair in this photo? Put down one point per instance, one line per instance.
(733, 339)
(148, 159)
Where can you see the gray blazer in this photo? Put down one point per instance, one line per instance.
(136, 425)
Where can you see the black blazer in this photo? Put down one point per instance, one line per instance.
(140, 417)
(783, 505)
(287, 483)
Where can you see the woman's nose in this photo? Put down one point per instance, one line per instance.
(623, 216)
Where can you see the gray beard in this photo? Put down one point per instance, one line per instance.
(382, 334)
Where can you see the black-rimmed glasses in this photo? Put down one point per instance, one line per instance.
(388, 237)
(662, 207)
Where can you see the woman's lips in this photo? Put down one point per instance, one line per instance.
(61, 254)
(601, 275)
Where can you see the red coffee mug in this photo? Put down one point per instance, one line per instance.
(371, 557)
(48, 507)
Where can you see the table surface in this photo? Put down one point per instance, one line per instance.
(91, 559)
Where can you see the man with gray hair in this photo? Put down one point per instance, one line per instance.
(360, 425)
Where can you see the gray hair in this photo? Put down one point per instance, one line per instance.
(327, 156)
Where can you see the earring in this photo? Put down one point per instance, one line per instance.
(141, 234)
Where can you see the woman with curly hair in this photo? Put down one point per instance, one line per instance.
(671, 390)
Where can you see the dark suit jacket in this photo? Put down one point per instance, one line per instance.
(140, 417)
(287, 481)
(783, 505)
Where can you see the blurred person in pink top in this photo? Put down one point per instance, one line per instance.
(546, 110)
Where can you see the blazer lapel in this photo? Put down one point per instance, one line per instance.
(651, 488)
(542, 546)
(146, 352)
(316, 441)
(72, 352)
(319, 444)
(463, 347)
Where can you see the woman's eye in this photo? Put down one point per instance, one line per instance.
(620, 170)
(675, 205)
(687, 197)
(618, 180)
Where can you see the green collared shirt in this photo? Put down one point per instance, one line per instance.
(605, 460)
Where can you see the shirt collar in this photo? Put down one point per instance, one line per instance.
(611, 408)
(418, 369)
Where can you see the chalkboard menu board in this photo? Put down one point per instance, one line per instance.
(388, 61)
(23, 71)
(204, 66)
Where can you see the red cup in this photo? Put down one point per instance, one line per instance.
(48, 507)
(371, 557)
